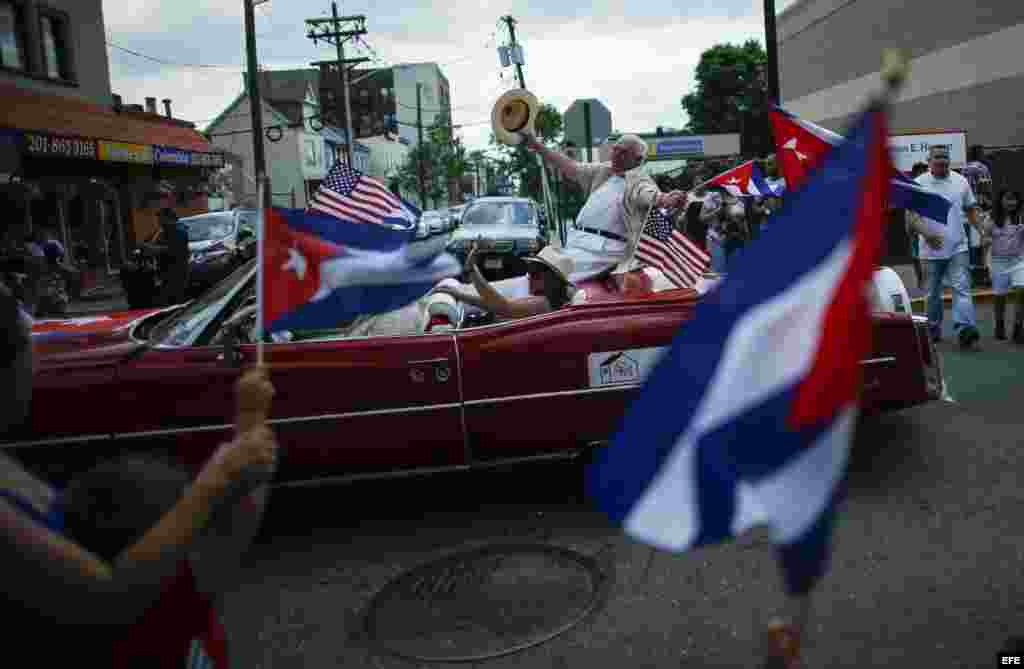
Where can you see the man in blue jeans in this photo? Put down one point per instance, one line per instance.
(945, 251)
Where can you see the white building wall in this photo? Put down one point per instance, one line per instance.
(406, 78)
(386, 156)
(233, 133)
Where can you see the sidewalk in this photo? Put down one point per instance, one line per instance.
(982, 294)
(105, 296)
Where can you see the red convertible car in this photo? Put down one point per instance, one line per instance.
(357, 403)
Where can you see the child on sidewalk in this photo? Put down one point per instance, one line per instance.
(1005, 229)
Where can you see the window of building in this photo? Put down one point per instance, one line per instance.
(12, 36)
(55, 30)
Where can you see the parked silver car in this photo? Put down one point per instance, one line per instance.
(508, 229)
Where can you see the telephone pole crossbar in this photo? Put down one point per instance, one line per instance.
(336, 31)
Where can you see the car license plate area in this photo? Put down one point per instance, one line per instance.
(493, 263)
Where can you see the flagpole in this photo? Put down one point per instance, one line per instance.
(260, 250)
(784, 640)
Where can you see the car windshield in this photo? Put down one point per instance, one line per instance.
(205, 228)
(185, 325)
(490, 213)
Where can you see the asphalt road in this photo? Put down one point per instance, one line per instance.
(926, 568)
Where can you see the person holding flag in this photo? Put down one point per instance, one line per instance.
(748, 417)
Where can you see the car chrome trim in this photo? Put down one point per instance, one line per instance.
(558, 393)
(425, 362)
(56, 441)
(427, 471)
(884, 360)
(467, 450)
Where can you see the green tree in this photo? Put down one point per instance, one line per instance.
(442, 158)
(732, 96)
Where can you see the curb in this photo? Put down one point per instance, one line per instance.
(980, 297)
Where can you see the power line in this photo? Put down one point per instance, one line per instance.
(236, 68)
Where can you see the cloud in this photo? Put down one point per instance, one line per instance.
(638, 58)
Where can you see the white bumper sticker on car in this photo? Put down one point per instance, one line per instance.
(631, 366)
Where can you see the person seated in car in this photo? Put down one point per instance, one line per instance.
(550, 288)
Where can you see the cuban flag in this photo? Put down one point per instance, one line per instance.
(802, 145)
(744, 180)
(747, 419)
(330, 263)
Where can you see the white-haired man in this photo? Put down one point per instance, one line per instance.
(608, 227)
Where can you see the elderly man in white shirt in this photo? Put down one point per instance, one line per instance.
(607, 229)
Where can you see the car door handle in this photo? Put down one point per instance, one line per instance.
(442, 370)
(240, 357)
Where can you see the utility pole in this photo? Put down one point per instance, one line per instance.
(549, 203)
(256, 105)
(336, 36)
(419, 145)
(772, 51)
(511, 22)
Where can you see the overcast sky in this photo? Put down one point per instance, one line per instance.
(636, 57)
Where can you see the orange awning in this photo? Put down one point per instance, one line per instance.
(28, 110)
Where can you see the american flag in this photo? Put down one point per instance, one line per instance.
(349, 195)
(667, 249)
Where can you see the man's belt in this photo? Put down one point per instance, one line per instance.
(603, 233)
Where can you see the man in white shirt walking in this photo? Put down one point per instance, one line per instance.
(944, 248)
(607, 229)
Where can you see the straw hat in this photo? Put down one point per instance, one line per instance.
(514, 111)
(553, 259)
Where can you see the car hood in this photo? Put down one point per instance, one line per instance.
(496, 231)
(89, 335)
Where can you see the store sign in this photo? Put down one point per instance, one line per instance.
(907, 149)
(123, 152)
(170, 156)
(207, 159)
(55, 146)
(676, 147)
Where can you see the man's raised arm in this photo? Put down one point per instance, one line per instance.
(566, 165)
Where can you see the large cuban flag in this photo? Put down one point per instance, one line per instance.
(802, 145)
(747, 419)
(351, 253)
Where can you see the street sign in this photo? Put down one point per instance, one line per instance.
(575, 123)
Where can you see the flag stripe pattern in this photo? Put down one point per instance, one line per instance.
(736, 425)
(348, 194)
(744, 180)
(351, 253)
(667, 249)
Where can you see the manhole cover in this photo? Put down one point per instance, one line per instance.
(485, 602)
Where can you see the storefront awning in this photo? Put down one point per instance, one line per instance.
(52, 126)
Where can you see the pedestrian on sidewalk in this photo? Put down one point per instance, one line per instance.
(1005, 228)
(945, 251)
